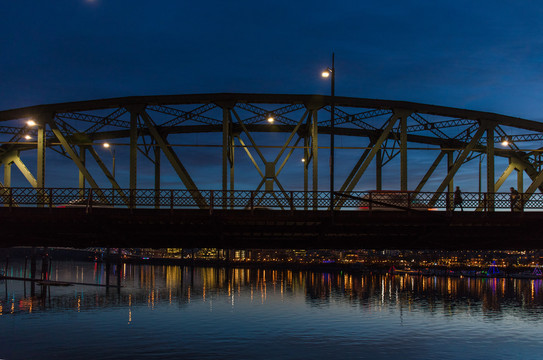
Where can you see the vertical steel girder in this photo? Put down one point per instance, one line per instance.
(156, 150)
(378, 169)
(134, 147)
(227, 153)
(450, 185)
(40, 172)
(174, 161)
(459, 161)
(314, 156)
(82, 158)
(490, 175)
(403, 153)
(520, 180)
(7, 175)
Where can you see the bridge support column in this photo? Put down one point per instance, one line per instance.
(450, 185)
(403, 152)
(40, 170)
(490, 189)
(108, 265)
(314, 157)
(520, 180)
(82, 156)
(133, 148)
(227, 154)
(306, 169)
(379, 170)
(7, 174)
(157, 176)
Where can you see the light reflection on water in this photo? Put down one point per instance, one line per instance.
(186, 312)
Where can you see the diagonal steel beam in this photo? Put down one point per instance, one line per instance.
(244, 128)
(365, 160)
(174, 161)
(506, 173)
(26, 173)
(108, 174)
(429, 172)
(251, 156)
(293, 132)
(537, 181)
(459, 161)
(186, 114)
(76, 159)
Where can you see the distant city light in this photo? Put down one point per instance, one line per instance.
(31, 123)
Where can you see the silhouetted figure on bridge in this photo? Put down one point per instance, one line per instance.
(515, 200)
(457, 200)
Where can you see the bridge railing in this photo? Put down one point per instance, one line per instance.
(257, 200)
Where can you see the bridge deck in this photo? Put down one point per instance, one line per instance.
(160, 228)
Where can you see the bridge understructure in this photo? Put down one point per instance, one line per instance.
(271, 144)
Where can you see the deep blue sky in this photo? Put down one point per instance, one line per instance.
(482, 55)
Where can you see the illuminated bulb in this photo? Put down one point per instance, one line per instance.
(325, 74)
(106, 145)
(505, 143)
(271, 119)
(31, 123)
(303, 159)
(28, 137)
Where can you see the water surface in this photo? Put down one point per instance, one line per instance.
(197, 313)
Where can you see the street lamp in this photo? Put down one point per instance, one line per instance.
(108, 146)
(325, 74)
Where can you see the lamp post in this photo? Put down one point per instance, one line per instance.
(108, 146)
(331, 72)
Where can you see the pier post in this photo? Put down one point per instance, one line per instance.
(45, 263)
(108, 265)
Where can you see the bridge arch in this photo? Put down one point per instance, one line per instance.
(381, 146)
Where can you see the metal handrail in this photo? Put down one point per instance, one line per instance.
(254, 200)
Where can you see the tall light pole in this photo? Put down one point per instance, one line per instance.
(108, 146)
(331, 71)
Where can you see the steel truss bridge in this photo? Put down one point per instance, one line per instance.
(180, 146)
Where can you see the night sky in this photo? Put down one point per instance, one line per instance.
(481, 55)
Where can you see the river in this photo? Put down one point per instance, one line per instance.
(173, 312)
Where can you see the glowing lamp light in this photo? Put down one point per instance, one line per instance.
(28, 137)
(271, 119)
(106, 145)
(303, 159)
(325, 74)
(31, 123)
(505, 142)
